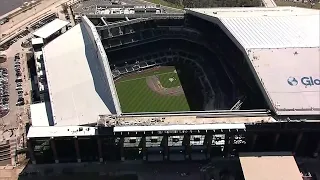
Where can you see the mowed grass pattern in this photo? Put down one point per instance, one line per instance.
(135, 95)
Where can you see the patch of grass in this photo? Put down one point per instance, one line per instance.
(135, 95)
(169, 80)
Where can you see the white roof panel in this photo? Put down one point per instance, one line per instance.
(278, 27)
(50, 28)
(290, 77)
(275, 32)
(39, 115)
(78, 90)
(61, 131)
(37, 41)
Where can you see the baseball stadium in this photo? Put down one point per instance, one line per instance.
(152, 83)
(174, 68)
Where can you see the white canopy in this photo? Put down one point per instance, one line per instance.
(50, 28)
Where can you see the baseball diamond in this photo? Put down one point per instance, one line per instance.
(152, 90)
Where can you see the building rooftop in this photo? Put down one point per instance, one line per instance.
(39, 116)
(35, 41)
(278, 76)
(61, 131)
(78, 90)
(50, 28)
(281, 45)
(269, 166)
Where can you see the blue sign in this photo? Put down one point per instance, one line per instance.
(307, 81)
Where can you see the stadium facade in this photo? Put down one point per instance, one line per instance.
(259, 91)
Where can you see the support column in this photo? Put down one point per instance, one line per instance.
(109, 33)
(186, 143)
(253, 143)
(230, 145)
(226, 144)
(54, 150)
(101, 34)
(165, 146)
(317, 150)
(296, 146)
(31, 152)
(144, 148)
(276, 139)
(100, 149)
(209, 137)
(121, 148)
(76, 146)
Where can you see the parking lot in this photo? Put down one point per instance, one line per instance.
(14, 86)
(18, 80)
(4, 92)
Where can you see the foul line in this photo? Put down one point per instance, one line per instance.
(144, 77)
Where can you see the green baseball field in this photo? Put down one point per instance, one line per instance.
(152, 90)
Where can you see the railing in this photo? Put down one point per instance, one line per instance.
(213, 113)
(142, 15)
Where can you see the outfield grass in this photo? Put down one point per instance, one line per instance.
(135, 95)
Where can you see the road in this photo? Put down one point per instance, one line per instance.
(9, 5)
